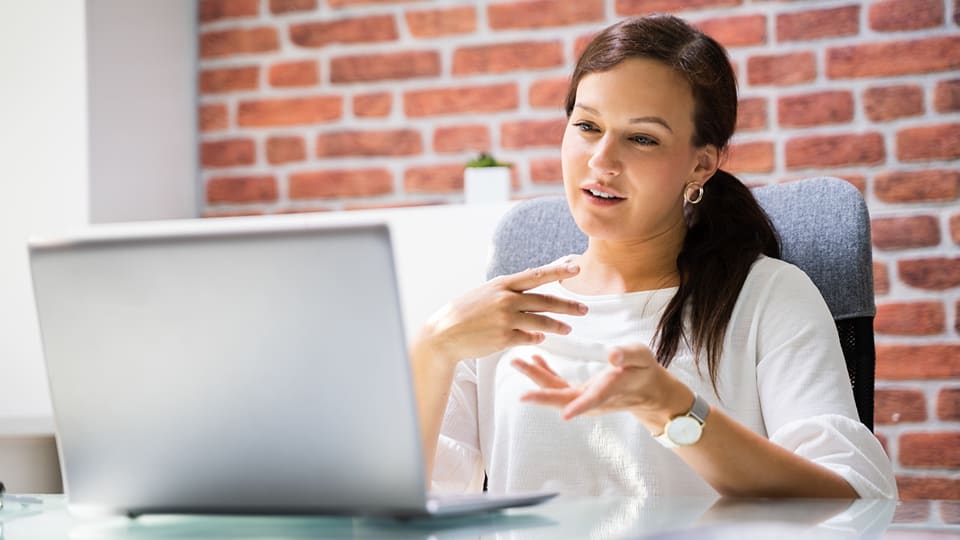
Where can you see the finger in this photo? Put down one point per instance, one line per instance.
(523, 337)
(551, 397)
(534, 277)
(537, 359)
(591, 397)
(532, 322)
(544, 303)
(637, 355)
(542, 377)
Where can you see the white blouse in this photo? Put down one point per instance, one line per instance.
(781, 374)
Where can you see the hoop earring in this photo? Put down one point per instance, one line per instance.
(686, 192)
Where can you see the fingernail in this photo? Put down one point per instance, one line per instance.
(582, 308)
(617, 357)
(566, 329)
(572, 267)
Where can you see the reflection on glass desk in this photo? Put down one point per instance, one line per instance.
(565, 517)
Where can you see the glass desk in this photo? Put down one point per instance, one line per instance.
(564, 517)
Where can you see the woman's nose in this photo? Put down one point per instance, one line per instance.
(605, 161)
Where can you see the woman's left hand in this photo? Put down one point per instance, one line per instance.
(633, 382)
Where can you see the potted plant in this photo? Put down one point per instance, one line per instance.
(486, 180)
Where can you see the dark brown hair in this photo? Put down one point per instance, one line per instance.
(727, 230)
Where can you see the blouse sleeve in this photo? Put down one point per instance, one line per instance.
(458, 467)
(804, 388)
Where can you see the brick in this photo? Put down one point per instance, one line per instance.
(834, 150)
(289, 111)
(946, 96)
(544, 13)
(645, 7)
(755, 156)
(472, 138)
(881, 279)
(502, 58)
(532, 133)
(894, 15)
(581, 43)
(334, 184)
(549, 93)
(918, 56)
(948, 404)
(950, 512)
(917, 186)
(286, 149)
(905, 232)
(213, 117)
(736, 31)
(896, 406)
(384, 66)
(216, 81)
(911, 512)
(228, 153)
(459, 100)
(926, 487)
(781, 69)
(215, 10)
(395, 142)
(238, 41)
(371, 29)
(350, 3)
(910, 319)
(918, 362)
(751, 114)
(279, 7)
(376, 105)
(955, 228)
(433, 179)
(546, 171)
(242, 189)
(830, 107)
(938, 450)
(934, 273)
(892, 102)
(442, 22)
(819, 23)
(929, 143)
(294, 74)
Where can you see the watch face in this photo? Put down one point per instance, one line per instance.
(684, 430)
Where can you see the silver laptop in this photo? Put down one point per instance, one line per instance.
(233, 367)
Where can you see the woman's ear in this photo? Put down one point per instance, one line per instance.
(708, 161)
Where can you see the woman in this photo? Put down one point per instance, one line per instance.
(708, 343)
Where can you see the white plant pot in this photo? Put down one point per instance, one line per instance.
(483, 185)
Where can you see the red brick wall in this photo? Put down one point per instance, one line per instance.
(338, 104)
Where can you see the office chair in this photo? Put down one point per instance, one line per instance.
(824, 230)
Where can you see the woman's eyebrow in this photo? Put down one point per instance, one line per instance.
(637, 120)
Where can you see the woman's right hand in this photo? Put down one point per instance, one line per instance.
(500, 314)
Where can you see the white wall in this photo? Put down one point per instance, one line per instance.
(141, 73)
(130, 155)
(43, 144)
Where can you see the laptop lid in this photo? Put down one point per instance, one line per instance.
(246, 368)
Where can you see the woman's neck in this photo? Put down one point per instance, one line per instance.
(619, 266)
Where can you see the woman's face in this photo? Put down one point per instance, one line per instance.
(627, 151)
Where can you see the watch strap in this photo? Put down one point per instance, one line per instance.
(698, 412)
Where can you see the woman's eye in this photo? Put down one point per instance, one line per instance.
(643, 140)
(584, 126)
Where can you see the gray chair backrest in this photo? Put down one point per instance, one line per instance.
(824, 229)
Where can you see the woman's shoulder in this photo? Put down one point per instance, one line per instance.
(776, 279)
(768, 269)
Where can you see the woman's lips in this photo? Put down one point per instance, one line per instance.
(602, 196)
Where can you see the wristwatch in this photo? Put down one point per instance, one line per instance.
(686, 429)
